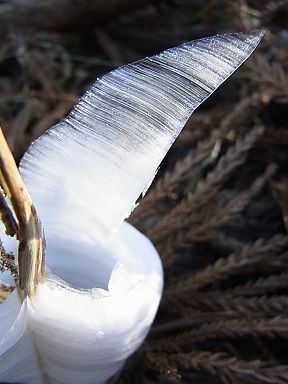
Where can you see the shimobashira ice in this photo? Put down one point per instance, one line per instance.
(104, 279)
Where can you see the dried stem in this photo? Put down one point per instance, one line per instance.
(30, 235)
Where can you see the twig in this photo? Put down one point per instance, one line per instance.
(30, 235)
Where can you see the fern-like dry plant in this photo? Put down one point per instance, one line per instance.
(218, 210)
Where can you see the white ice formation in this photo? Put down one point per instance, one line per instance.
(104, 279)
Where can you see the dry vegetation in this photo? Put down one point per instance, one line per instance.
(218, 210)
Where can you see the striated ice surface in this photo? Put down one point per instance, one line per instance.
(102, 156)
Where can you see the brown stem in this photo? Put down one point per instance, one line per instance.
(31, 251)
(7, 216)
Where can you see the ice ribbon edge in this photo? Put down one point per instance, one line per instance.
(104, 153)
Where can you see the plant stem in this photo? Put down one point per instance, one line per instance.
(31, 251)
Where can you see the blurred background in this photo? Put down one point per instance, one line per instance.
(218, 209)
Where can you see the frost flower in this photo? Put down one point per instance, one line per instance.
(104, 280)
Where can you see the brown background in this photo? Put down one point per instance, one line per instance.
(218, 209)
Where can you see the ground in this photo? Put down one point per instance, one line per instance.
(218, 209)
